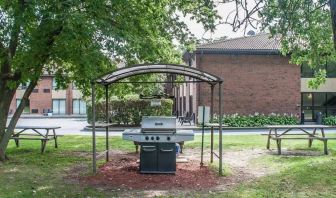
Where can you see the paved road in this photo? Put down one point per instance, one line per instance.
(75, 126)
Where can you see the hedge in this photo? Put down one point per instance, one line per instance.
(258, 120)
(128, 112)
(330, 120)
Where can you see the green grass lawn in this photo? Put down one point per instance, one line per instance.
(28, 173)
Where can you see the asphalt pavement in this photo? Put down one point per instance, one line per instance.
(75, 126)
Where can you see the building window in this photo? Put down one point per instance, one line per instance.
(78, 106)
(329, 66)
(74, 87)
(54, 84)
(35, 91)
(58, 106)
(331, 69)
(34, 110)
(27, 107)
(306, 71)
(323, 102)
(46, 90)
(23, 85)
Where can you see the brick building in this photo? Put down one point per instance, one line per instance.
(45, 98)
(257, 78)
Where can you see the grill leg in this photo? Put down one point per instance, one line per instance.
(181, 146)
(136, 147)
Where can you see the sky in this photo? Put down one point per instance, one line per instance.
(222, 30)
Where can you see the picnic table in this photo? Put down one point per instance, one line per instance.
(285, 132)
(41, 133)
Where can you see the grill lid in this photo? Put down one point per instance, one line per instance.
(158, 124)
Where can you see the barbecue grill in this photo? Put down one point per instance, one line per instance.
(157, 138)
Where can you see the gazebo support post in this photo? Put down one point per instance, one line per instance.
(211, 120)
(94, 163)
(220, 130)
(107, 122)
(177, 101)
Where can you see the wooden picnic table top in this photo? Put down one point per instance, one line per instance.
(297, 126)
(37, 127)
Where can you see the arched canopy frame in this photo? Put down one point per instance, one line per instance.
(122, 73)
(118, 75)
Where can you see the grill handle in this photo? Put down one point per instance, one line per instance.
(148, 148)
(166, 150)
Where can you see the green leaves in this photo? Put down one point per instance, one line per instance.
(319, 79)
(130, 111)
(259, 120)
(330, 120)
(79, 40)
(305, 28)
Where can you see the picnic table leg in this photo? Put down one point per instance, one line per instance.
(43, 145)
(310, 141)
(279, 146)
(55, 137)
(16, 142)
(325, 142)
(269, 139)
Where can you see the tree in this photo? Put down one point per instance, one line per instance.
(307, 32)
(307, 28)
(79, 40)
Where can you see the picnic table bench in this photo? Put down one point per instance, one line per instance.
(35, 133)
(277, 135)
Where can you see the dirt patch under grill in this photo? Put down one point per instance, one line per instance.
(123, 172)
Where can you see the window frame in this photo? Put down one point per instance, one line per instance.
(315, 108)
(310, 74)
(59, 100)
(79, 106)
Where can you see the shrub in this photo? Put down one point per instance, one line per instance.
(130, 111)
(330, 120)
(258, 120)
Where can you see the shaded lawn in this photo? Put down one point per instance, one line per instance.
(29, 173)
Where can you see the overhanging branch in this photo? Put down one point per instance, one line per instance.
(333, 19)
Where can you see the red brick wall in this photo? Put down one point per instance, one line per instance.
(69, 97)
(12, 105)
(42, 100)
(252, 83)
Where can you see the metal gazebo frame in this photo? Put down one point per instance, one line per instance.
(116, 76)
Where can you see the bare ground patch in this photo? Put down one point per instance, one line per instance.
(121, 174)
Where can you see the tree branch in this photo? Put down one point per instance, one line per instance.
(333, 19)
(14, 39)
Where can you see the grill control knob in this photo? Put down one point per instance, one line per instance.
(147, 138)
(168, 138)
(152, 138)
(157, 138)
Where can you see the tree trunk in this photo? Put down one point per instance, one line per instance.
(5, 105)
(333, 19)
